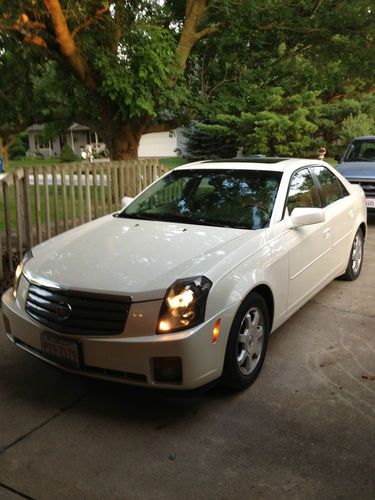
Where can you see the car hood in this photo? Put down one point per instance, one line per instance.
(134, 257)
(357, 169)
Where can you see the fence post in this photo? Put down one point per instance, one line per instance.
(37, 205)
(19, 215)
(27, 209)
(88, 193)
(8, 231)
(46, 203)
(64, 197)
(55, 199)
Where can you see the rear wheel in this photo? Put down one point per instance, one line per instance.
(247, 343)
(356, 258)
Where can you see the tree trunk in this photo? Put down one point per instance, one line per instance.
(122, 139)
(4, 150)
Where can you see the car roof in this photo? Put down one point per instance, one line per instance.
(364, 138)
(254, 163)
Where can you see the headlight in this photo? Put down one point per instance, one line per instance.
(28, 255)
(184, 304)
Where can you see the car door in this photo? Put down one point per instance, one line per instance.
(309, 246)
(339, 211)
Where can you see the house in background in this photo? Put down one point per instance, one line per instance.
(155, 145)
(77, 136)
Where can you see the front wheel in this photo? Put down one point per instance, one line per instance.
(356, 257)
(247, 343)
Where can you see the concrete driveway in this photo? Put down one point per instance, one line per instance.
(304, 430)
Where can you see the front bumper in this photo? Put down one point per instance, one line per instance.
(130, 357)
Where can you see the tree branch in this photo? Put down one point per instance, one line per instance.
(308, 31)
(23, 23)
(194, 13)
(91, 20)
(67, 45)
(206, 31)
(32, 39)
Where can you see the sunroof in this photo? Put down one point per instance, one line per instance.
(249, 159)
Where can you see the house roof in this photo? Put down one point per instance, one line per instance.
(39, 127)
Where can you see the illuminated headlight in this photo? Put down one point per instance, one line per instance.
(28, 255)
(184, 304)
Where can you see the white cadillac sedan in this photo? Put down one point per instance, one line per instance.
(184, 285)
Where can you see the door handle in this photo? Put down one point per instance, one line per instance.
(327, 232)
(351, 213)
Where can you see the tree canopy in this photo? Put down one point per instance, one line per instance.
(286, 75)
(276, 76)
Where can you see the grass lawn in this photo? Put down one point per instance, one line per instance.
(170, 163)
(28, 162)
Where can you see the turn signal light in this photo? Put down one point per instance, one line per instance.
(216, 331)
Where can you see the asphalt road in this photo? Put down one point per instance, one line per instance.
(304, 430)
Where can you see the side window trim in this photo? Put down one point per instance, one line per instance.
(305, 167)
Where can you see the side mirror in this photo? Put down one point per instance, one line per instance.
(307, 216)
(125, 201)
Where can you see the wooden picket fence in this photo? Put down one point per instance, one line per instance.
(37, 203)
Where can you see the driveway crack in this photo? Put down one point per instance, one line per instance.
(53, 417)
(16, 492)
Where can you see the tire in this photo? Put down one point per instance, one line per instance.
(354, 267)
(247, 343)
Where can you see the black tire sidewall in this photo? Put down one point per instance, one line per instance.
(232, 376)
(350, 274)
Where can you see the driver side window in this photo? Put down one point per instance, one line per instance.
(302, 191)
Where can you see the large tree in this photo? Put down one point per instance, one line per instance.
(121, 63)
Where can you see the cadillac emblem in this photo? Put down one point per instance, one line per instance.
(63, 311)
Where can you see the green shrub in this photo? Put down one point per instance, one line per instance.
(356, 126)
(67, 154)
(209, 141)
(18, 150)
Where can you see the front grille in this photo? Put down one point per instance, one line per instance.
(78, 313)
(367, 186)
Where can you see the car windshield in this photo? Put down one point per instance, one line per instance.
(363, 150)
(242, 199)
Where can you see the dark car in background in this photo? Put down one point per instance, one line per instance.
(358, 166)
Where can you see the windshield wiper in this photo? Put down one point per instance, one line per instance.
(138, 216)
(156, 217)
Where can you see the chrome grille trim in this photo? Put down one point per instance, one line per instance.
(368, 186)
(91, 313)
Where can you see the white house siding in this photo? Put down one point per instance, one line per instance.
(158, 145)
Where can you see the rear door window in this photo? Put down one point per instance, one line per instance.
(331, 187)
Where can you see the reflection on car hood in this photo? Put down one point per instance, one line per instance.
(134, 257)
(357, 169)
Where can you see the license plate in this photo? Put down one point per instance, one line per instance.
(370, 202)
(65, 352)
